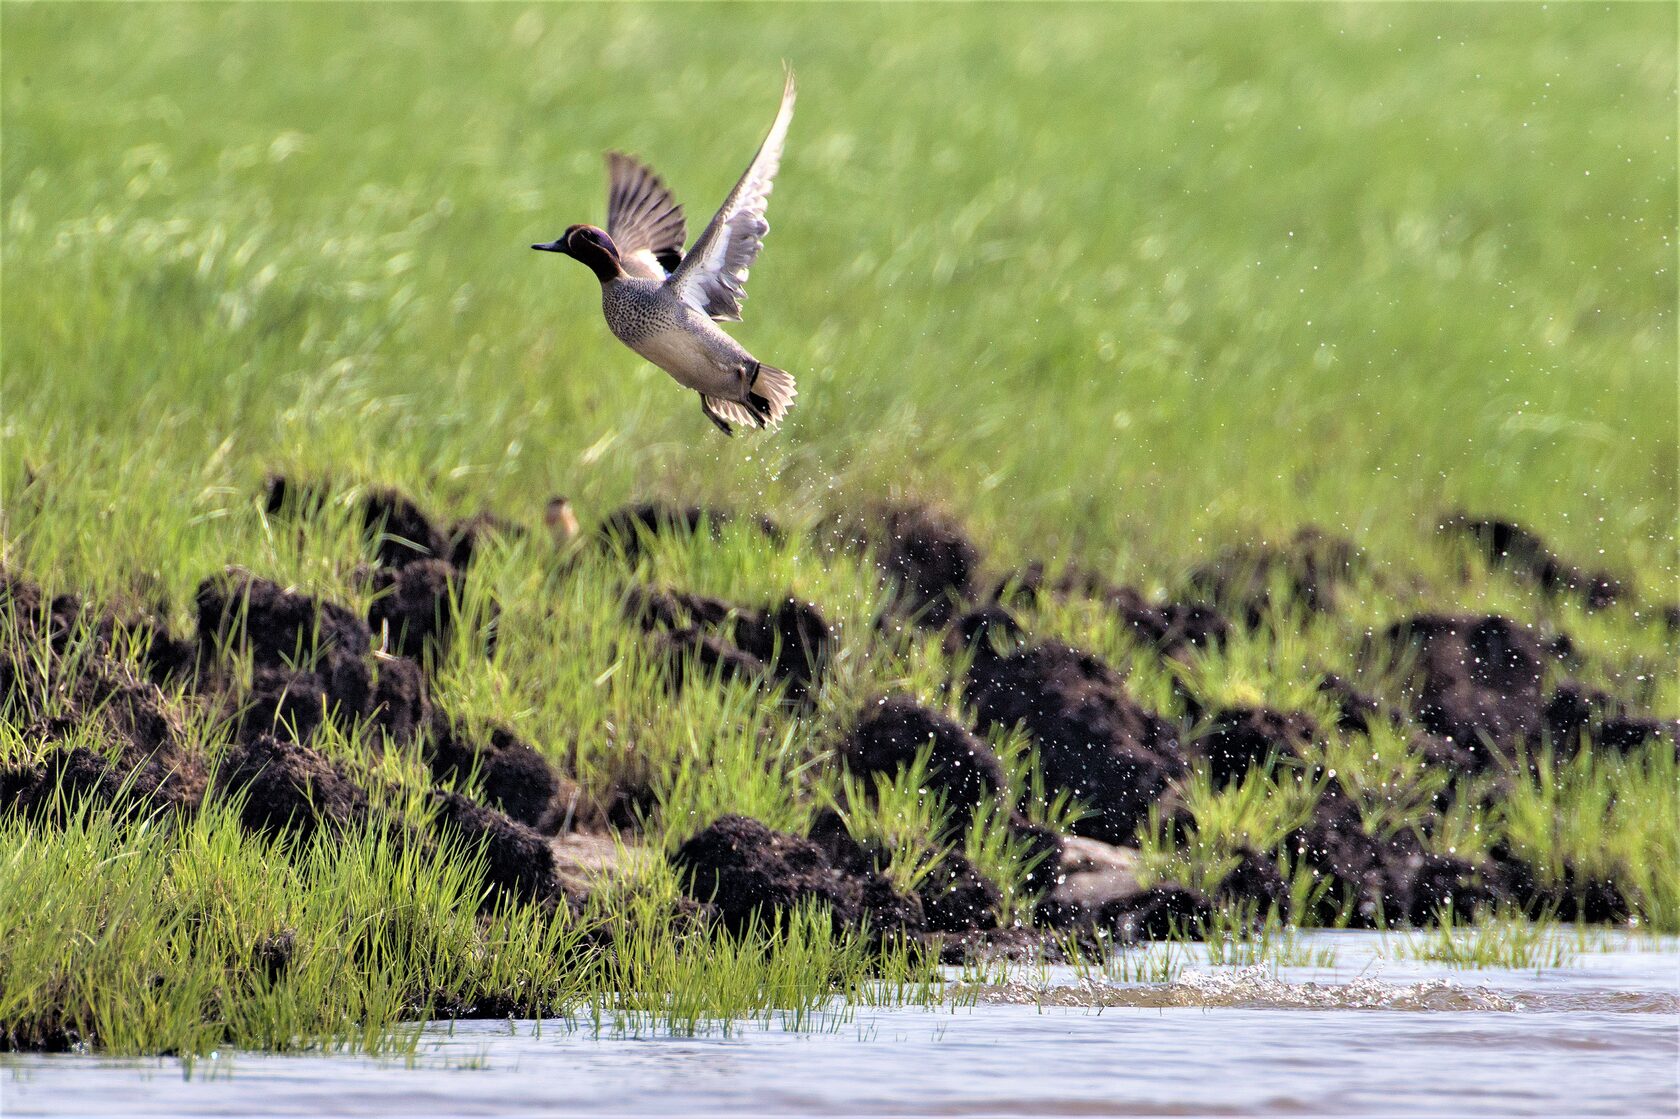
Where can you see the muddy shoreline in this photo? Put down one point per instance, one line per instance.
(106, 689)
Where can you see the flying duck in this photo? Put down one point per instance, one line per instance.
(663, 303)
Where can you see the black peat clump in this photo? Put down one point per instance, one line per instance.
(957, 898)
(755, 875)
(891, 731)
(53, 692)
(1110, 754)
(285, 786)
(1165, 911)
(1170, 628)
(924, 555)
(413, 608)
(1240, 738)
(1310, 569)
(396, 526)
(518, 860)
(1577, 713)
(1513, 548)
(1375, 882)
(1476, 682)
(787, 641)
(626, 529)
(513, 776)
(310, 658)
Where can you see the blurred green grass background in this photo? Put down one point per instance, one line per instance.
(1124, 282)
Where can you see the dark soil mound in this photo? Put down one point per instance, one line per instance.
(1575, 710)
(1310, 569)
(402, 533)
(1170, 628)
(987, 632)
(626, 529)
(789, 639)
(1109, 753)
(689, 654)
(282, 628)
(468, 538)
(892, 731)
(1575, 898)
(288, 787)
(518, 861)
(1165, 911)
(514, 777)
(1241, 738)
(70, 775)
(310, 662)
(1475, 681)
(414, 606)
(793, 638)
(924, 554)
(1256, 882)
(53, 691)
(397, 527)
(1380, 881)
(753, 874)
(663, 608)
(1524, 554)
(1358, 711)
(956, 897)
(883, 910)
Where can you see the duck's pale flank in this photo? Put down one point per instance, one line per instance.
(663, 303)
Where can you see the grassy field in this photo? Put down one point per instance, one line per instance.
(1124, 286)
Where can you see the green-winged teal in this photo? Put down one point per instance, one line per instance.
(661, 302)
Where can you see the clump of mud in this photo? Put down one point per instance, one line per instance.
(311, 661)
(1476, 682)
(787, 641)
(513, 776)
(1170, 628)
(1513, 548)
(1240, 738)
(1092, 740)
(627, 529)
(753, 874)
(285, 787)
(1377, 881)
(59, 681)
(889, 734)
(1310, 569)
(923, 554)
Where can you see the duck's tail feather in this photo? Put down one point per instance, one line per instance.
(768, 400)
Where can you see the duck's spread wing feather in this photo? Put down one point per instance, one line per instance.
(712, 277)
(643, 219)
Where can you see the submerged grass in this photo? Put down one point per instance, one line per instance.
(222, 266)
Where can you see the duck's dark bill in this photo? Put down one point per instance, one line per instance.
(551, 247)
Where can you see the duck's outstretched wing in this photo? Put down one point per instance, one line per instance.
(643, 219)
(712, 277)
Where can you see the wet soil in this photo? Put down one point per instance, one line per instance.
(923, 553)
(892, 731)
(626, 529)
(1091, 739)
(787, 642)
(1311, 569)
(1525, 555)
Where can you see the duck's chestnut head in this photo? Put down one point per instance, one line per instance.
(590, 245)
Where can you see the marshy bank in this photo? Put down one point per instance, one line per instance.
(709, 767)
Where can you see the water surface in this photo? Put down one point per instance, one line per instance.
(1370, 1035)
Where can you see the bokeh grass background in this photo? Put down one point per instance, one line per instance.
(1122, 282)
